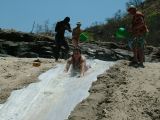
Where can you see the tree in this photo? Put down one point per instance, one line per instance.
(45, 29)
(33, 27)
(46, 26)
(135, 3)
(118, 15)
(39, 29)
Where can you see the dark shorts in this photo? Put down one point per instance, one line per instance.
(60, 40)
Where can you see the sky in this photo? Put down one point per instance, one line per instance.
(21, 14)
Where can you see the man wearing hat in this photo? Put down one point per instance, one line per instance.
(75, 34)
(138, 31)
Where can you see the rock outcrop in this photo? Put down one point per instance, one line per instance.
(32, 46)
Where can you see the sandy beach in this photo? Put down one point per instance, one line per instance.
(17, 73)
(122, 93)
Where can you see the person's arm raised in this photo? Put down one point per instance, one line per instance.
(69, 27)
(82, 67)
(67, 65)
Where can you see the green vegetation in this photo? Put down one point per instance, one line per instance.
(150, 8)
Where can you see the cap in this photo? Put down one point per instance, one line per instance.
(131, 7)
(79, 23)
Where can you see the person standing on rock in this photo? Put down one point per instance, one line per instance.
(138, 32)
(76, 34)
(60, 29)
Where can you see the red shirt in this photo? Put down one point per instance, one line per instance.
(138, 24)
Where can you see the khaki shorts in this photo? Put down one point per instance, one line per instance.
(138, 42)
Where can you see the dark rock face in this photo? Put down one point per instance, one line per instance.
(20, 44)
(33, 46)
(152, 54)
(106, 53)
(111, 52)
(27, 49)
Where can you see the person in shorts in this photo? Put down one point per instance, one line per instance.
(138, 31)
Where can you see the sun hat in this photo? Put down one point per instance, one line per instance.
(78, 23)
(131, 7)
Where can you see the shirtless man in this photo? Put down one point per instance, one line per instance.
(76, 34)
(78, 62)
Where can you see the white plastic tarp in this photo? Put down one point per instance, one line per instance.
(54, 96)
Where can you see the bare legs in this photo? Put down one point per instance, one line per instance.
(75, 42)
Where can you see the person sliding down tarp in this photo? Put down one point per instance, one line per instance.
(59, 38)
(78, 62)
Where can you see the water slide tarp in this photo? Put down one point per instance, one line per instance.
(54, 96)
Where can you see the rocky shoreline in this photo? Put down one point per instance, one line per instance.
(25, 45)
